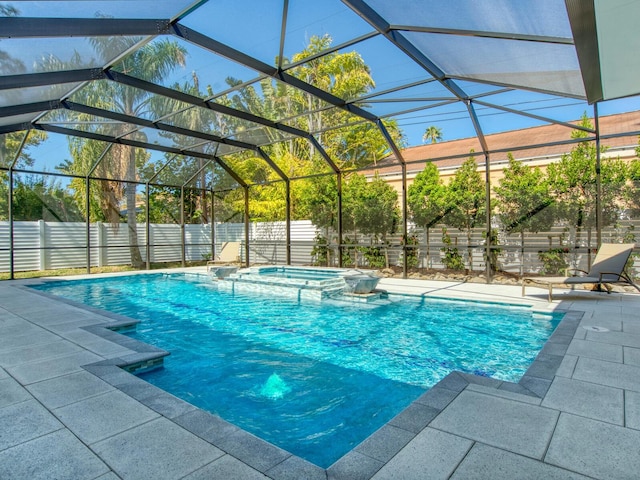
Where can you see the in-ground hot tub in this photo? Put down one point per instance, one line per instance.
(303, 282)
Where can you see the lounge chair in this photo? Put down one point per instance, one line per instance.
(608, 267)
(229, 253)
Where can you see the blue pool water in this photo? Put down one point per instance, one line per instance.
(298, 273)
(314, 378)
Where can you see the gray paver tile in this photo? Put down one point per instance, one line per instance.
(609, 320)
(581, 334)
(594, 349)
(107, 349)
(415, 417)
(37, 371)
(615, 338)
(32, 305)
(205, 425)
(168, 405)
(100, 417)
(631, 356)
(35, 421)
(26, 338)
(169, 451)
(632, 409)
(252, 450)
(514, 426)
(560, 337)
(85, 338)
(7, 318)
(454, 382)
(139, 389)
(480, 380)
(226, 467)
(608, 373)
(551, 348)
(11, 392)
(108, 476)
(39, 352)
(519, 389)
(71, 325)
(432, 454)
(498, 392)
(36, 306)
(538, 386)
(485, 462)
(631, 326)
(545, 366)
(586, 399)
(67, 389)
(595, 448)
(294, 468)
(437, 397)
(567, 366)
(353, 466)
(564, 333)
(385, 443)
(58, 455)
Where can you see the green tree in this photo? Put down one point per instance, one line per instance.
(466, 202)
(36, 198)
(9, 151)
(632, 189)
(426, 201)
(432, 134)
(322, 202)
(370, 208)
(377, 215)
(377, 212)
(524, 201)
(573, 184)
(349, 141)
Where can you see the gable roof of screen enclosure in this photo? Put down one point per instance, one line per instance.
(436, 60)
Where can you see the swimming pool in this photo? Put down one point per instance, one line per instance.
(315, 379)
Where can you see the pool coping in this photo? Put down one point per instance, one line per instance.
(364, 460)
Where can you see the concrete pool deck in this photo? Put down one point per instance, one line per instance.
(68, 411)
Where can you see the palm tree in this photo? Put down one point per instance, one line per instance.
(152, 63)
(432, 134)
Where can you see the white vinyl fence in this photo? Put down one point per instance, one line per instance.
(50, 245)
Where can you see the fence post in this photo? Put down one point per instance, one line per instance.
(150, 242)
(42, 243)
(102, 246)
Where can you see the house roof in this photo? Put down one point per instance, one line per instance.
(547, 141)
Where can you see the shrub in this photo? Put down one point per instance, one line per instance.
(320, 251)
(452, 258)
(411, 243)
(554, 261)
(374, 256)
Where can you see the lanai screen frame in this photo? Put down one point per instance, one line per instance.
(147, 29)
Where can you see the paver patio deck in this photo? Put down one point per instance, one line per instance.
(67, 411)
